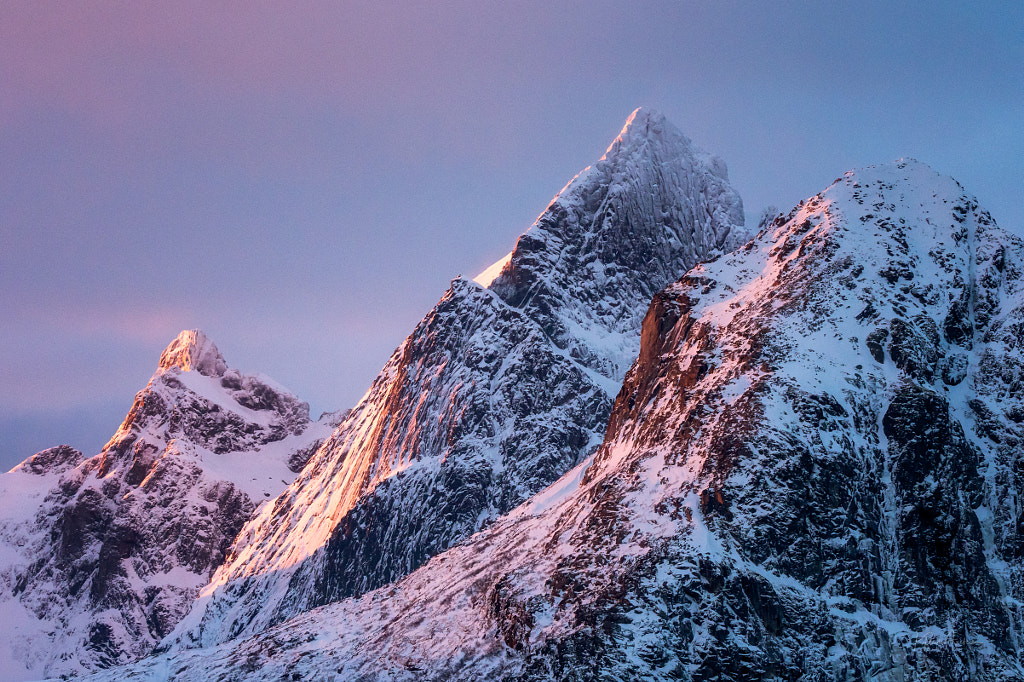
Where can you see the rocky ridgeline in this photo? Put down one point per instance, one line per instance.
(810, 473)
(109, 552)
(505, 385)
(811, 406)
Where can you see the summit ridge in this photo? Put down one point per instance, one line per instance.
(642, 446)
(192, 350)
(810, 472)
(498, 391)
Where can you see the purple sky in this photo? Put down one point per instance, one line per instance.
(302, 180)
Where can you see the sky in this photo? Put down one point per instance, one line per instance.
(302, 180)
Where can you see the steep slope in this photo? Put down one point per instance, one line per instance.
(811, 472)
(101, 557)
(503, 386)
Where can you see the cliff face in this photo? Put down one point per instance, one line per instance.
(812, 405)
(810, 472)
(505, 385)
(106, 554)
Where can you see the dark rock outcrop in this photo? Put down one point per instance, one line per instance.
(51, 461)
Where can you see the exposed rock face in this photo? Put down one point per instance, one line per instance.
(816, 390)
(783, 492)
(505, 385)
(51, 461)
(110, 557)
(621, 230)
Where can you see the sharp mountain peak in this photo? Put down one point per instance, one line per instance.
(192, 350)
(810, 469)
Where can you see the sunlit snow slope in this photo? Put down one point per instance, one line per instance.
(497, 392)
(812, 472)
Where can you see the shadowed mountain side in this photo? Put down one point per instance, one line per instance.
(495, 394)
(811, 472)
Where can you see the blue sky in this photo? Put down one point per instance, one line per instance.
(302, 180)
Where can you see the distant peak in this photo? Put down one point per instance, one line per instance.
(643, 118)
(648, 132)
(901, 169)
(645, 123)
(192, 350)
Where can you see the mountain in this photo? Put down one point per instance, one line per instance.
(505, 385)
(100, 557)
(810, 472)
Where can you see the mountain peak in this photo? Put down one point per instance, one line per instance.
(906, 170)
(541, 340)
(192, 350)
(648, 134)
(646, 126)
(644, 121)
(51, 461)
(637, 219)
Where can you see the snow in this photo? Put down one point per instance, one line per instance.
(736, 388)
(485, 278)
(651, 187)
(557, 493)
(210, 389)
(20, 635)
(798, 290)
(187, 402)
(21, 493)
(193, 351)
(264, 473)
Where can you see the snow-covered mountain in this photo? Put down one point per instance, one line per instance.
(100, 557)
(811, 472)
(505, 385)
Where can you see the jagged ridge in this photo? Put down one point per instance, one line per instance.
(497, 392)
(810, 472)
(104, 555)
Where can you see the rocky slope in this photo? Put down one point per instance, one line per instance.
(100, 557)
(506, 384)
(811, 472)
